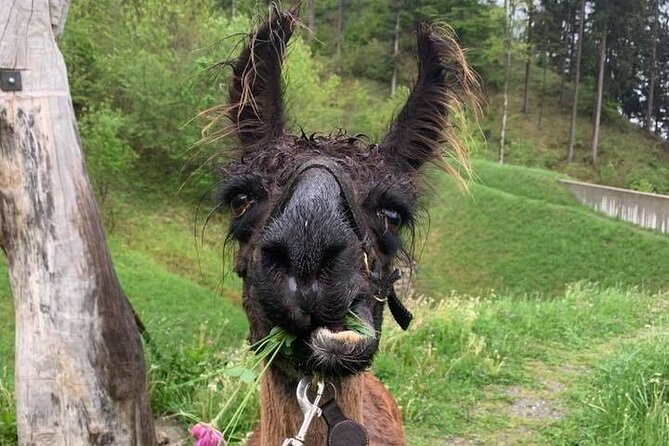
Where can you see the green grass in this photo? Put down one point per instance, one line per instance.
(451, 373)
(454, 371)
(509, 250)
(6, 320)
(626, 401)
(518, 230)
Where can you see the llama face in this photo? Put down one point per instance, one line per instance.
(305, 261)
(318, 218)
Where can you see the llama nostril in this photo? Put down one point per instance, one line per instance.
(330, 255)
(276, 256)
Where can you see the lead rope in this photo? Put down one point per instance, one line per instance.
(341, 430)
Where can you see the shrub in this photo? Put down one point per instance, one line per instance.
(108, 156)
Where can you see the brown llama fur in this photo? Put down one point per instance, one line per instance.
(361, 397)
(304, 261)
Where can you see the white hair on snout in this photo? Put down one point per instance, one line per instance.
(331, 350)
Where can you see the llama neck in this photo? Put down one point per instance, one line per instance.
(281, 416)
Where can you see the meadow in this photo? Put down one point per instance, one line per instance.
(538, 321)
(502, 351)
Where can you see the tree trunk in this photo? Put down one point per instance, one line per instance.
(650, 108)
(577, 81)
(600, 94)
(396, 52)
(80, 372)
(568, 35)
(311, 21)
(507, 75)
(543, 94)
(233, 8)
(528, 62)
(340, 26)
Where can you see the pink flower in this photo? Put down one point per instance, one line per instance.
(206, 435)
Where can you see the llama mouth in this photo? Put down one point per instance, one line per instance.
(344, 348)
(344, 336)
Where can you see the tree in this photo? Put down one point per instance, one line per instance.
(603, 13)
(311, 21)
(531, 13)
(542, 97)
(652, 77)
(510, 10)
(568, 41)
(80, 371)
(396, 53)
(340, 26)
(577, 81)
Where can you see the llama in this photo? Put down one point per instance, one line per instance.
(319, 221)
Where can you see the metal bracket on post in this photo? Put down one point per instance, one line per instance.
(10, 80)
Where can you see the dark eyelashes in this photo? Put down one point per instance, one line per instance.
(397, 203)
(247, 185)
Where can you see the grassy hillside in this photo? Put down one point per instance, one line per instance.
(628, 156)
(520, 231)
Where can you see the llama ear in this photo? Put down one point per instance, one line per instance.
(445, 84)
(256, 90)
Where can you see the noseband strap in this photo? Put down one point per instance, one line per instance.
(383, 285)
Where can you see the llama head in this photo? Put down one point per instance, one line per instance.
(316, 218)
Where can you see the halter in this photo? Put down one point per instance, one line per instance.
(382, 285)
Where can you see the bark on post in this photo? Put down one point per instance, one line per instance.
(80, 372)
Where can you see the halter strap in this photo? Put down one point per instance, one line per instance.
(382, 285)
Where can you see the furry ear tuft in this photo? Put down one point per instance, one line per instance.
(256, 88)
(445, 85)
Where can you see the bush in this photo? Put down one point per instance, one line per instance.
(108, 157)
(138, 65)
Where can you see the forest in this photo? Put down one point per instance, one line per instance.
(138, 68)
(537, 321)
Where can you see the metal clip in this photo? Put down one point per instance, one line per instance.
(309, 409)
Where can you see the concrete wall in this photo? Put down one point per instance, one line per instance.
(647, 210)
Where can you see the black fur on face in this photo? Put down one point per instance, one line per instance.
(304, 267)
(301, 255)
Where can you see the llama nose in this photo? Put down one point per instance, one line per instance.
(311, 233)
(300, 260)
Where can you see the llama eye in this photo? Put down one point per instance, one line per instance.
(239, 204)
(391, 219)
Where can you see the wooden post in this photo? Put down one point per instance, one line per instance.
(80, 372)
